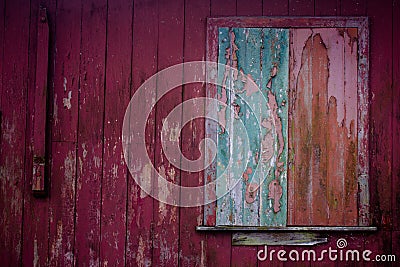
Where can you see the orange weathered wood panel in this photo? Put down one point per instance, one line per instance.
(323, 126)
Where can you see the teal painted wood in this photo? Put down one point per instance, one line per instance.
(275, 84)
(249, 44)
(252, 152)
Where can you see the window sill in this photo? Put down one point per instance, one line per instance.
(288, 228)
(282, 236)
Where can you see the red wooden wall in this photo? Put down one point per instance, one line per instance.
(100, 53)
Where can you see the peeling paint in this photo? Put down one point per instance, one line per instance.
(65, 84)
(146, 180)
(67, 101)
(35, 253)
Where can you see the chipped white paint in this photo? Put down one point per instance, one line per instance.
(65, 84)
(84, 153)
(97, 161)
(8, 132)
(35, 253)
(55, 110)
(67, 100)
(56, 247)
(146, 174)
(140, 252)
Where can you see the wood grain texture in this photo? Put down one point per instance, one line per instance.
(118, 83)
(65, 129)
(66, 76)
(140, 205)
(90, 132)
(300, 171)
(192, 244)
(13, 129)
(381, 115)
(170, 52)
(62, 204)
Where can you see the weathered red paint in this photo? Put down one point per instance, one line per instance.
(13, 118)
(170, 52)
(114, 183)
(89, 144)
(192, 244)
(139, 247)
(381, 150)
(41, 240)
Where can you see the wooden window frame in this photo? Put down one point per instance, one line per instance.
(362, 24)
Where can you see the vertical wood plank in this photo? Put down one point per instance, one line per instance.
(275, 8)
(64, 133)
(380, 115)
(319, 153)
(350, 129)
(301, 7)
(62, 204)
(251, 110)
(192, 243)
(335, 138)
(13, 121)
(170, 52)
(296, 8)
(36, 219)
(274, 84)
(396, 119)
(300, 171)
(90, 132)
(118, 81)
(140, 205)
(66, 76)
